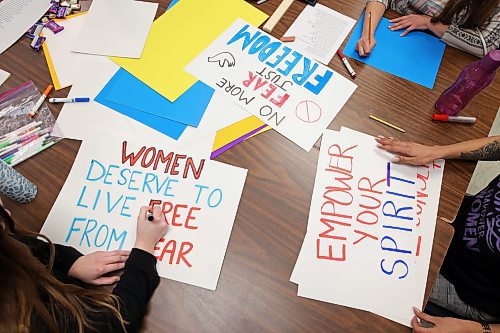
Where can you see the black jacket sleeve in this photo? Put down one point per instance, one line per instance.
(136, 287)
(64, 257)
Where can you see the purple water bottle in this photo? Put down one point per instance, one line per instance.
(470, 82)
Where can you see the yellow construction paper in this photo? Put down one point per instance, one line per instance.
(178, 36)
(232, 132)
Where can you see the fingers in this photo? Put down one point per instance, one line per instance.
(360, 49)
(416, 326)
(399, 19)
(115, 259)
(113, 267)
(117, 253)
(400, 148)
(106, 280)
(411, 28)
(142, 213)
(157, 213)
(400, 25)
(424, 316)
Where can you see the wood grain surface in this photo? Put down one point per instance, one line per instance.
(254, 294)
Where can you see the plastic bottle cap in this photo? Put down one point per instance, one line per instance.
(440, 117)
(491, 61)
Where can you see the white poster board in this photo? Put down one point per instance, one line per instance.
(111, 179)
(370, 229)
(295, 95)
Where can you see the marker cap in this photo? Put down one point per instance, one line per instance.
(440, 117)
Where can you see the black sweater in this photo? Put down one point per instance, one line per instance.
(134, 289)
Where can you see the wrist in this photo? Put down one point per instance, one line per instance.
(472, 327)
(145, 246)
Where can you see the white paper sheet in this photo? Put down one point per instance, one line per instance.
(16, 17)
(64, 64)
(355, 253)
(116, 28)
(98, 205)
(293, 94)
(320, 31)
(3, 76)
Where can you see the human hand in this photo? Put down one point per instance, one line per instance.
(91, 267)
(410, 22)
(150, 232)
(408, 152)
(365, 45)
(443, 324)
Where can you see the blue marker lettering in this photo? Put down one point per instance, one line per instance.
(243, 33)
(322, 82)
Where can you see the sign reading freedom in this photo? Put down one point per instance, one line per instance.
(288, 90)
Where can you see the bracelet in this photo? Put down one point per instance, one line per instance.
(486, 327)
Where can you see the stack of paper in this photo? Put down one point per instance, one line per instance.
(370, 229)
(116, 28)
(196, 111)
(16, 17)
(320, 31)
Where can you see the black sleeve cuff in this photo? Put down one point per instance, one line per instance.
(65, 257)
(142, 260)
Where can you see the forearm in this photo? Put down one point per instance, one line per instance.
(484, 149)
(470, 326)
(377, 10)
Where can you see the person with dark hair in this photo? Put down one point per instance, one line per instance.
(47, 287)
(472, 26)
(466, 295)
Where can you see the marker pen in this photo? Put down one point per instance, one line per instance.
(149, 216)
(40, 101)
(454, 119)
(69, 100)
(346, 64)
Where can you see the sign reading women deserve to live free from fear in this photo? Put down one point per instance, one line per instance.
(370, 230)
(111, 179)
(291, 92)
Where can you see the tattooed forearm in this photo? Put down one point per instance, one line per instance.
(489, 152)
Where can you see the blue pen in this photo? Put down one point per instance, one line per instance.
(69, 100)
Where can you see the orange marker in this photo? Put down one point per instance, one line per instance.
(40, 101)
(287, 39)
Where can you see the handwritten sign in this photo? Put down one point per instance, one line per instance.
(111, 179)
(291, 92)
(370, 229)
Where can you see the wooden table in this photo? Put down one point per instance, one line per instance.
(254, 294)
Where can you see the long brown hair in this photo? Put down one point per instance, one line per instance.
(478, 12)
(30, 293)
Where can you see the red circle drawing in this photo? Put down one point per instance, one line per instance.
(308, 111)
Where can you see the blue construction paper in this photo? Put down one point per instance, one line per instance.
(172, 4)
(127, 90)
(168, 127)
(415, 57)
